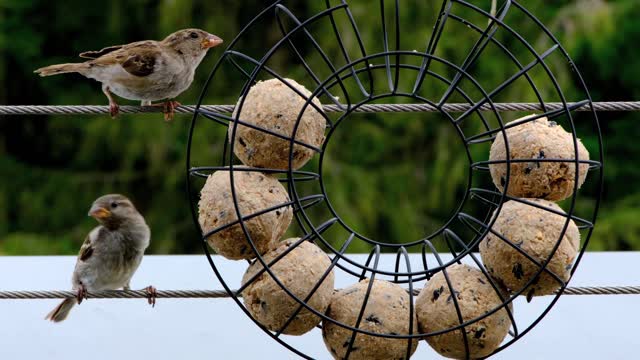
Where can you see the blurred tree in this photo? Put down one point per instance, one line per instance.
(51, 168)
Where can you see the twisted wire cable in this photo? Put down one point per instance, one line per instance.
(369, 108)
(216, 294)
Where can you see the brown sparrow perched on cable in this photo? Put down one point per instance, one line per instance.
(110, 254)
(145, 70)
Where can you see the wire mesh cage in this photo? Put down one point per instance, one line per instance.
(394, 68)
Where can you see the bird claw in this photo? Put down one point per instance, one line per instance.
(152, 295)
(81, 294)
(169, 110)
(114, 109)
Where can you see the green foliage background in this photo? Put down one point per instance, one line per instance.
(394, 179)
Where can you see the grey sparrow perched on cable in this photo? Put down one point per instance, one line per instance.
(145, 70)
(110, 254)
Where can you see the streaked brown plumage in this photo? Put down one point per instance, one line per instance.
(111, 252)
(145, 70)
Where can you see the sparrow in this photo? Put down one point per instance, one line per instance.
(110, 254)
(145, 70)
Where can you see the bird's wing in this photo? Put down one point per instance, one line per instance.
(86, 250)
(97, 54)
(140, 64)
(137, 59)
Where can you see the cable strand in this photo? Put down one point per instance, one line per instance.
(217, 294)
(367, 108)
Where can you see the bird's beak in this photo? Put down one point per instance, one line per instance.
(211, 41)
(99, 213)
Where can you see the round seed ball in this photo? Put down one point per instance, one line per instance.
(386, 312)
(300, 270)
(538, 139)
(255, 192)
(536, 232)
(436, 311)
(274, 106)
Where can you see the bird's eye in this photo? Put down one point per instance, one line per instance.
(114, 205)
(194, 35)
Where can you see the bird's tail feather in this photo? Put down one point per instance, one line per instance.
(61, 69)
(60, 312)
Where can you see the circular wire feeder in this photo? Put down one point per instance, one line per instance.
(360, 76)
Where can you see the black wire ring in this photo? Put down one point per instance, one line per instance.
(361, 70)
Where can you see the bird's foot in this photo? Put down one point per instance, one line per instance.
(152, 295)
(81, 294)
(114, 109)
(168, 108)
